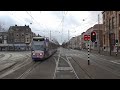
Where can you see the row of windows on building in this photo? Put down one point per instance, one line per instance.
(110, 22)
(19, 34)
(22, 40)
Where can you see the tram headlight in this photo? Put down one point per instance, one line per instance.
(41, 54)
(33, 53)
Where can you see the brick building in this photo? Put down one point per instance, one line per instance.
(20, 37)
(111, 32)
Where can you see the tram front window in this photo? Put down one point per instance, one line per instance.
(38, 47)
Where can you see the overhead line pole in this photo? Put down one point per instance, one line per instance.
(98, 33)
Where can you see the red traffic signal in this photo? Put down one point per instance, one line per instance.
(93, 36)
(93, 33)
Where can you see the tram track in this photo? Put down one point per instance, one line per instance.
(19, 63)
(27, 72)
(68, 68)
(83, 69)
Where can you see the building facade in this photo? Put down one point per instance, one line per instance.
(3, 41)
(111, 32)
(20, 37)
(16, 38)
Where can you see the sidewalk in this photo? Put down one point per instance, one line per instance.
(96, 71)
(106, 53)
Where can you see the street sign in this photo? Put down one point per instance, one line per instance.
(86, 37)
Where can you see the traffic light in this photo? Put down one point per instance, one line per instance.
(93, 36)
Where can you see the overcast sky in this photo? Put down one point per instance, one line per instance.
(58, 22)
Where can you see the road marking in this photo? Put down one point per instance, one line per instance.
(64, 68)
(57, 61)
(114, 62)
(72, 67)
(57, 69)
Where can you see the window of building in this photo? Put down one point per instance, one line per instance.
(119, 36)
(109, 24)
(119, 19)
(103, 16)
(15, 40)
(27, 39)
(0, 40)
(113, 21)
(17, 35)
(22, 40)
(104, 39)
(22, 34)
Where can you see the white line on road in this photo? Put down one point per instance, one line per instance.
(57, 61)
(114, 62)
(72, 67)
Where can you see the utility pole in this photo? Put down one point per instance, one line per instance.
(68, 35)
(98, 33)
(50, 34)
(62, 27)
(68, 40)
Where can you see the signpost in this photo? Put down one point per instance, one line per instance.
(87, 38)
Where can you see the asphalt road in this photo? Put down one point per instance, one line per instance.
(64, 64)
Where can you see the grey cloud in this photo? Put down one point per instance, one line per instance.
(7, 20)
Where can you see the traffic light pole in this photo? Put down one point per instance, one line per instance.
(88, 52)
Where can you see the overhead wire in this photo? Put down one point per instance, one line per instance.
(62, 19)
(16, 17)
(39, 23)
